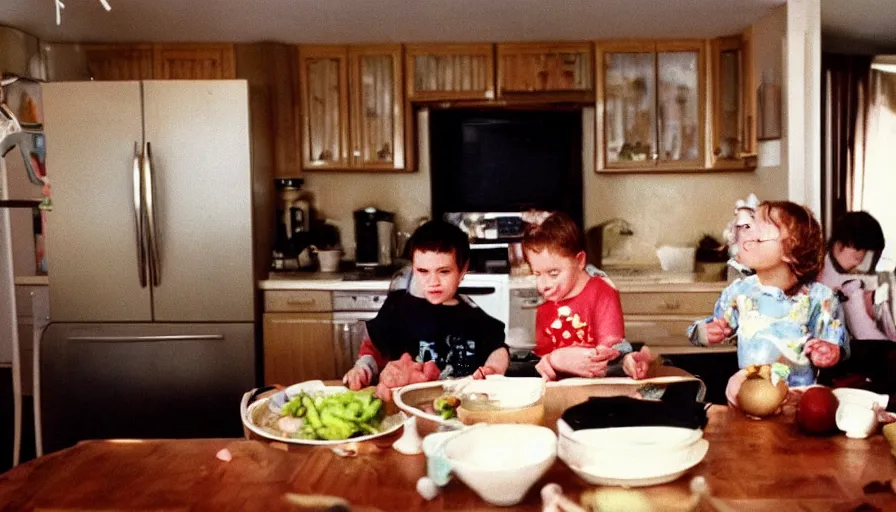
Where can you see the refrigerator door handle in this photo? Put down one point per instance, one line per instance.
(155, 267)
(130, 339)
(139, 216)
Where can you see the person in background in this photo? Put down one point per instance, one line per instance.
(438, 335)
(780, 315)
(856, 244)
(579, 329)
(854, 249)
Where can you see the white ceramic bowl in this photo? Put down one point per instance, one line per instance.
(861, 397)
(857, 421)
(501, 462)
(629, 472)
(676, 259)
(627, 452)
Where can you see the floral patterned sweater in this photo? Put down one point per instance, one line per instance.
(772, 327)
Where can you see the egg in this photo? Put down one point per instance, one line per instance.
(817, 411)
(759, 397)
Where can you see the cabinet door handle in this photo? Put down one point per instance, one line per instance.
(674, 304)
(300, 302)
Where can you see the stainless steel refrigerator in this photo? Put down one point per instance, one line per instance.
(150, 253)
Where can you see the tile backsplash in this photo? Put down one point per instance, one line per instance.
(673, 209)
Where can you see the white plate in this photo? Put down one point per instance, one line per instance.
(620, 476)
(389, 425)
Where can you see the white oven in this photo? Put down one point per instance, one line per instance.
(491, 292)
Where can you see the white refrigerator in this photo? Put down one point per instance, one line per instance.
(150, 251)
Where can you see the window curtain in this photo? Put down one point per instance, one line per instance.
(877, 187)
(844, 111)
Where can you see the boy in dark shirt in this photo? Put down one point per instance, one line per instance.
(445, 335)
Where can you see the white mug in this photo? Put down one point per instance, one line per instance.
(857, 420)
(329, 260)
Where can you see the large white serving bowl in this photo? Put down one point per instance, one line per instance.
(625, 473)
(631, 456)
(501, 462)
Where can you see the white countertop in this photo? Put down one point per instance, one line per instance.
(318, 281)
(659, 282)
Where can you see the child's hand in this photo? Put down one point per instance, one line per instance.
(636, 364)
(605, 353)
(717, 330)
(579, 361)
(821, 353)
(483, 371)
(544, 369)
(358, 377)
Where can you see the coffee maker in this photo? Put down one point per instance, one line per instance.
(374, 237)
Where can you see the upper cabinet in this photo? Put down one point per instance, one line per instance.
(562, 68)
(194, 62)
(651, 104)
(733, 124)
(119, 61)
(159, 61)
(450, 72)
(323, 80)
(352, 107)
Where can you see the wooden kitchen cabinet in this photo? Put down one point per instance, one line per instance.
(660, 316)
(160, 61)
(651, 104)
(352, 107)
(323, 82)
(545, 68)
(733, 105)
(119, 61)
(377, 107)
(441, 72)
(298, 347)
(193, 62)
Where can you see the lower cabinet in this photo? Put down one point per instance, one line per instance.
(299, 347)
(660, 318)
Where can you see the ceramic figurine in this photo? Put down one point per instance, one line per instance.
(744, 210)
(410, 442)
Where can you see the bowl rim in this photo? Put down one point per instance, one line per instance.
(481, 427)
(694, 436)
(701, 446)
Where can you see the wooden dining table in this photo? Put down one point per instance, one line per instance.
(751, 465)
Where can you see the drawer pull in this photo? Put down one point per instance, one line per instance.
(300, 302)
(674, 304)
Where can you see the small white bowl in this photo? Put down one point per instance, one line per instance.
(862, 397)
(856, 420)
(501, 462)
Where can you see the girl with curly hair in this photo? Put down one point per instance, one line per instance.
(779, 316)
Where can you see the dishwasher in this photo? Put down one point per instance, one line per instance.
(351, 311)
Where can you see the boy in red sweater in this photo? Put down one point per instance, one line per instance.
(579, 328)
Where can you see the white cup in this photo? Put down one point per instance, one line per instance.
(329, 260)
(857, 420)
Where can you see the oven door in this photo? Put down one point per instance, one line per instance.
(350, 329)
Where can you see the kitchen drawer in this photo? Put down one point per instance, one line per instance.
(683, 303)
(658, 330)
(288, 301)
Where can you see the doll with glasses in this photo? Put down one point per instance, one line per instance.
(780, 315)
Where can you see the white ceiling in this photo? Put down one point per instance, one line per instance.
(361, 21)
(860, 24)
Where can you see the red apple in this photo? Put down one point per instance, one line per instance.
(817, 411)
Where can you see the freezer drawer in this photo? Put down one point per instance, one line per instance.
(101, 381)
